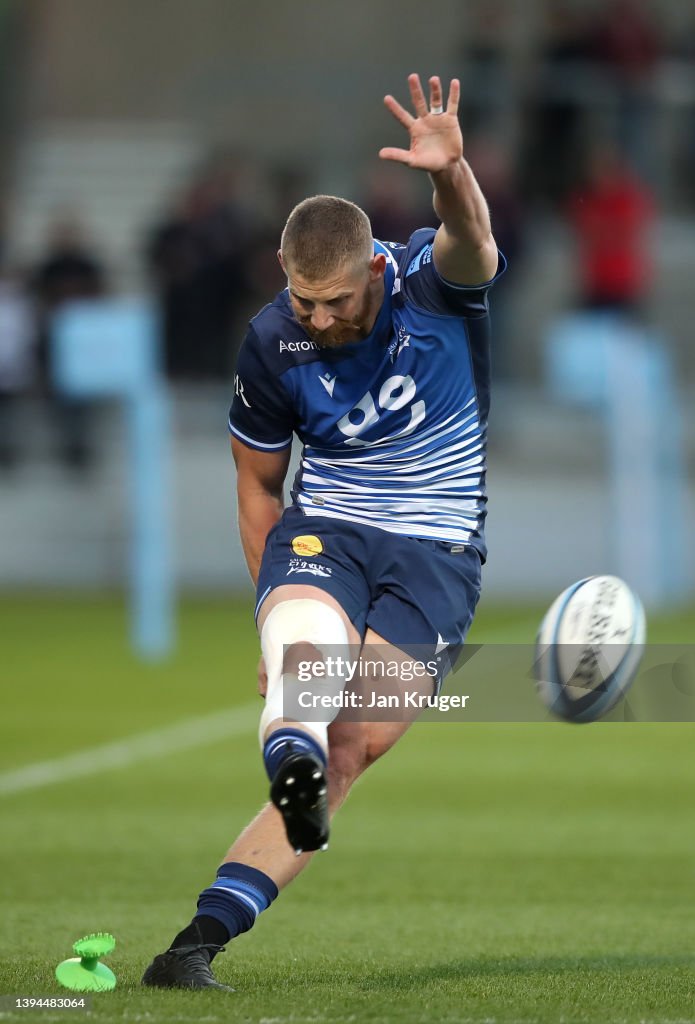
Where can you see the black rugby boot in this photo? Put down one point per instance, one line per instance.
(299, 790)
(184, 967)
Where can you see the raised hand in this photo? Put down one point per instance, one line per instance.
(435, 134)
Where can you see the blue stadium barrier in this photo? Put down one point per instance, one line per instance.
(110, 349)
(606, 363)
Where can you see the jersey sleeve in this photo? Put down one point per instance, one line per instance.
(261, 414)
(425, 287)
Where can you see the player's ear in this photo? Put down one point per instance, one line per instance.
(280, 259)
(377, 266)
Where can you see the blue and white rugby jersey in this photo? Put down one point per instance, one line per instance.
(393, 426)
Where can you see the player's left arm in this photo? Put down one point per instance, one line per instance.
(464, 250)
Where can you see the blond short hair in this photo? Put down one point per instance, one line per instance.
(324, 234)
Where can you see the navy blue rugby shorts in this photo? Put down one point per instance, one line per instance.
(419, 595)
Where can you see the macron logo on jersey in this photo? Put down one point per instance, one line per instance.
(328, 382)
(298, 346)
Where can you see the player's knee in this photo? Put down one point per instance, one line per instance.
(296, 653)
(299, 630)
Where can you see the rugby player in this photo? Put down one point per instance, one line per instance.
(377, 356)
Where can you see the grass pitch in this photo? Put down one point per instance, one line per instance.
(479, 873)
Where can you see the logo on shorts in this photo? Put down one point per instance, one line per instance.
(442, 644)
(307, 545)
(299, 565)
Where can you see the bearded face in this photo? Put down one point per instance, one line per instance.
(342, 331)
(342, 307)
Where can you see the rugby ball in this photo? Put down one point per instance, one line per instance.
(589, 647)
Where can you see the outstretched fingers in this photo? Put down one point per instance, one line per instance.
(399, 112)
(454, 96)
(417, 96)
(435, 95)
(436, 103)
(422, 125)
(403, 156)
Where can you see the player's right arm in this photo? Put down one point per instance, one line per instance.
(260, 479)
(261, 422)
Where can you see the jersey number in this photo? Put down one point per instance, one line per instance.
(395, 393)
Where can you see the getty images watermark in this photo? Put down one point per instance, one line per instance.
(372, 683)
(476, 683)
(389, 690)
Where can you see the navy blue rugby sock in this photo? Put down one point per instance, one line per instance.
(229, 906)
(286, 741)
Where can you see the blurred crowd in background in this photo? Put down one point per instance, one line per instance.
(210, 255)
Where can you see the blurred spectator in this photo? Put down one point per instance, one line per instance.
(486, 81)
(494, 170)
(626, 44)
(68, 270)
(197, 256)
(554, 136)
(392, 206)
(626, 40)
(682, 52)
(611, 216)
(17, 360)
(285, 186)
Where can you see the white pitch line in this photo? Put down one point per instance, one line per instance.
(186, 735)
